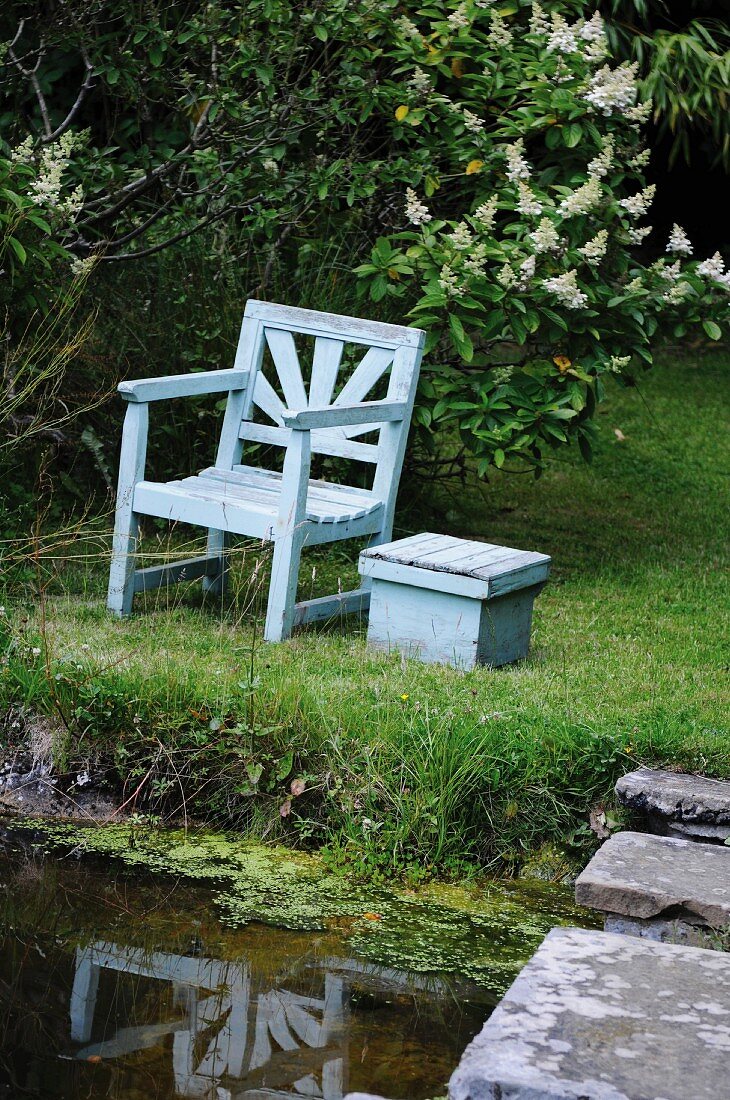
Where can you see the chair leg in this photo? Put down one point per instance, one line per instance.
(283, 589)
(121, 574)
(217, 546)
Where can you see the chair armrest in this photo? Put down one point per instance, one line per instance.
(340, 416)
(184, 385)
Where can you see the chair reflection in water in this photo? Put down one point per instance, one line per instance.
(251, 1031)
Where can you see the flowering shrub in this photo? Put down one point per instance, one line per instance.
(526, 196)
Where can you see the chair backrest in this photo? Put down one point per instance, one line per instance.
(321, 369)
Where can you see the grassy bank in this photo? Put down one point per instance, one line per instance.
(407, 767)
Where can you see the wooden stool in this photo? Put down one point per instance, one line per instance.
(450, 601)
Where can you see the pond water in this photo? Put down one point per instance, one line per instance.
(119, 982)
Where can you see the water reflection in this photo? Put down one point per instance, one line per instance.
(224, 1025)
(122, 986)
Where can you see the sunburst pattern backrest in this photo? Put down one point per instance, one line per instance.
(306, 359)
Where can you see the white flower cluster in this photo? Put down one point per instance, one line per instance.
(527, 203)
(461, 237)
(679, 243)
(407, 27)
(458, 18)
(475, 262)
(641, 113)
(713, 268)
(566, 290)
(500, 36)
(46, 188)
(636, 236)
(619, 363)
(416, 211)
(594, 250)
(676, 293)
(517, 166)
(539, 22)
(562, 38)
(449, 282)
(594, 34)
(501, 376)
(485, 214)
(641, 159)
(527, 271)
(634, 286)
(80, 268)
(613, 91)
(419, 83)
(582, 200)
(506, 277)
(270, 165)
(545, 238)
(593, 30)
(601, 165)
(472, 122)
(23, 153)
(637, 205)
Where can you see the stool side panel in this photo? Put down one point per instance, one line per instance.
(434, 627)
(506, 623)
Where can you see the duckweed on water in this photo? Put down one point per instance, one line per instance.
(484, 933)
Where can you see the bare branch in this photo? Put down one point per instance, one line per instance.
(83, 92)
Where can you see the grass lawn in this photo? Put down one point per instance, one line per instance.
(406, 766)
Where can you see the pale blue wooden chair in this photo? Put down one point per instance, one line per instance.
(303, 412)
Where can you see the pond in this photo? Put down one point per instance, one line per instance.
(119, 981)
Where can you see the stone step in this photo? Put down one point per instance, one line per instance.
(690, 806)
(659, 887)
(598, 1016)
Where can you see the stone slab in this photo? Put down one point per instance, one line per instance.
(666, 931)
(640, 875)
(672, 797)
(596, 1016)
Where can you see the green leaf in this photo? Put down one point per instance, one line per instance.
(713, 331)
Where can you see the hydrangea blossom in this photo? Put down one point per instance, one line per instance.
(458, 18)
(506, 277)
(593, 33)
(475, 262)
(472, 122)
(527, 270)
(545, 238)
(637, 205)
(485, 213)
(562, 38)
(517, 166)
(636, 236)
(679, 243)
(566, 290)
(619, 363)
(595, 249)
(641, 159)
(527, 203)
(416, 211)
(613, 91)
(539, 22)
(582, 200)
(712, 268)
(500, 36)
(449, 282)
(461, 236)
(601, 165)
(593, 30)
(419, 83)
(407, 27)
(640, 113)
